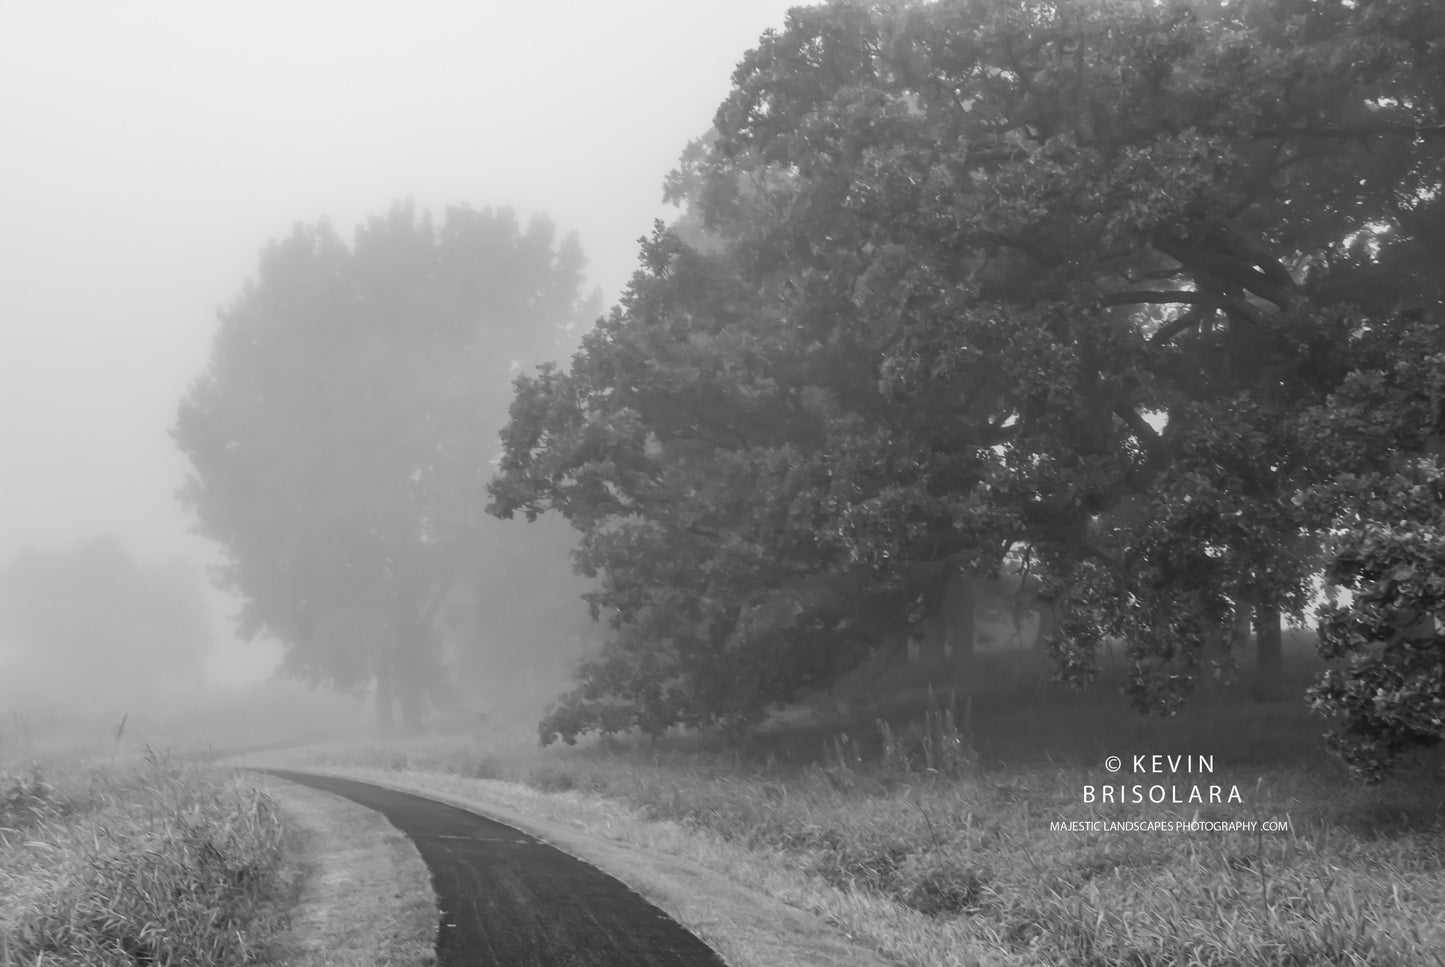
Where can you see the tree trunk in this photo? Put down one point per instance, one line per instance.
(928, 637)
(411, 706)
(385, 713)
(1214, 648)
(413, 660)
(409, 659)
(1048, 610)
(957, 610)
(1268, 654)
(1243, 615)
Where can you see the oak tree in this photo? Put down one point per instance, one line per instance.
(966, 284)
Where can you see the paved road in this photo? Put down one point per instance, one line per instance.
(508, 900)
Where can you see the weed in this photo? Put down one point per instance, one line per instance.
(27, 800)
(935, 744)
(486, 767)
(151, 864)
(550, 779)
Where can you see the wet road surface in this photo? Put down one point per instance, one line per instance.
(508, 900)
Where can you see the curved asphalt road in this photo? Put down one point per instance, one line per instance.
(508, 900)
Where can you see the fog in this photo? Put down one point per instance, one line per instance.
(152, 149)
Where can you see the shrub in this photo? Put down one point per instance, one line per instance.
(1390, 690)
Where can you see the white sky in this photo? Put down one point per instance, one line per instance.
(149, 150)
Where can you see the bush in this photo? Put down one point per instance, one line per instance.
(1390, 690)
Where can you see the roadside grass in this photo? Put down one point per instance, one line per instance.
(147, 862)
(365, 894)
(938, 853)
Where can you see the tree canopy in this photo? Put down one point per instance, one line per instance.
(342, 433)
(1066, 286)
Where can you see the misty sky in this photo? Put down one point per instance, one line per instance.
(150, 149)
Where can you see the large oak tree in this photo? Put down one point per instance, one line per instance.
(969, 283)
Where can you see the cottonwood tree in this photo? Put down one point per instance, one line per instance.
(983, 280)
(344, 430)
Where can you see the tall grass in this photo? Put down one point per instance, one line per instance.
(955, 855)
(152, 863)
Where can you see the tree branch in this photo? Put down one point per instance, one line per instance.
(1154, 297)
(1220, 251)
(1171, 329)
(1239, 309)
(1358, 131)
(1148, 436)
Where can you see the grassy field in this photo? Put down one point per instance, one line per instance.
(143, 861)
(929, 834)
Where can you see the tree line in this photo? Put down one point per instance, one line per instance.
(1139, 300)
(92, 630)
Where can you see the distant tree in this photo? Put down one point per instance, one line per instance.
(968, 283)
(344, 431)
(515, 621)
(92, 626)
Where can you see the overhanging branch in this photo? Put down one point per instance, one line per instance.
(1219, 251)
(1173, 328)
(1356, 131)
(1155, 297)
(1148, 436)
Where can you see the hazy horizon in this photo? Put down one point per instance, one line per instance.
(156, 148)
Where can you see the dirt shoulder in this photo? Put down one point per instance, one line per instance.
(366, 896)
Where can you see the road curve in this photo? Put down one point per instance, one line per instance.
(509, 900)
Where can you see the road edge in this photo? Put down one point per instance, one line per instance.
(365, 896)
(746, 927)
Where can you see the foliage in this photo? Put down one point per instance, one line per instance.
(969, 284)
(1393, 692)
(1388, 554)
(342, 432)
